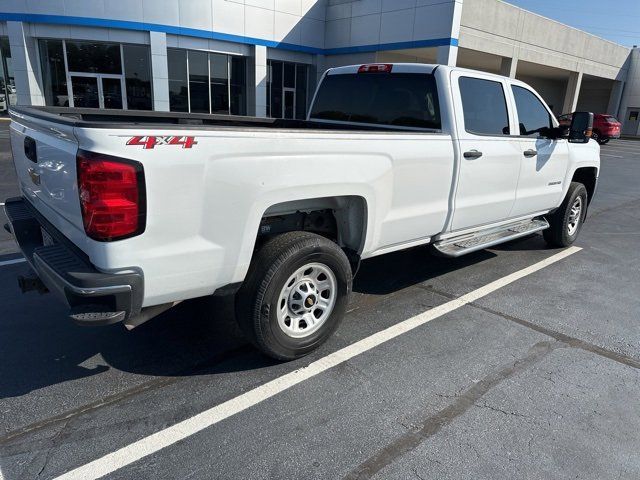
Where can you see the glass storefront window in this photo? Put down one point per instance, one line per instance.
(137, 72)
(219, 83)
(112, 75)
(238, 86)
(289, 75)
(53, 73)
(90, 57)
(96, 75)
(216, 82)
(178, 87)
(287, 86)
(198, 82)
(8, 93)
(275, 87)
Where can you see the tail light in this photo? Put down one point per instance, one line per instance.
(112, 196)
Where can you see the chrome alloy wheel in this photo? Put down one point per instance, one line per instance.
(307, 300)
(575, 215)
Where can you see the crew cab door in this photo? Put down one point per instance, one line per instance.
(490, 156)
(543, 161)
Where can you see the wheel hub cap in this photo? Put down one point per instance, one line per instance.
(307, 300)
(575, 215)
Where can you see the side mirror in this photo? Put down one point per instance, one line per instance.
(581, 127)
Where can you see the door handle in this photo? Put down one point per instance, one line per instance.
(530, 153)
(472, 154)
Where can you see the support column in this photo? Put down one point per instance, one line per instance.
(447, 55)
(508, 67)
(257, 87)
(24, 56)
(159, 71)
(573, 92)
(615, 98)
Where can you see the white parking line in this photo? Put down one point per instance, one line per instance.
(180, 431)
(621, 147)
(12, 262)
(609, 155)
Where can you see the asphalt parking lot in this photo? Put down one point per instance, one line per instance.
(536, 376)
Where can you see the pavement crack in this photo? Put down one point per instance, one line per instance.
(432, 424)
(496, 409)
(52, 446)
(157, 383)
(416, 474)
(560, 337)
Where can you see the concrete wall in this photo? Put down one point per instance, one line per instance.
(595, 95)
(354, 23)
(297, 22)
(631, 95)
(502, 29)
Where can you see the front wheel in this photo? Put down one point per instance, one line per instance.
(566, 222)
(295, 294)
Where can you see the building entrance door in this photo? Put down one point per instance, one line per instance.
(98, 91)
(631, 122)
(289, 104)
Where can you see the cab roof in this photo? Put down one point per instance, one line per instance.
(427, 68)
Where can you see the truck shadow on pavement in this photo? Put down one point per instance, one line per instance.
(40, 346)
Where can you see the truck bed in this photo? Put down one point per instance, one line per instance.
(93, 118)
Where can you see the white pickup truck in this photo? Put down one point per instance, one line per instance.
(123, 214)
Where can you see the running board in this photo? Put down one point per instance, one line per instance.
(472, 242)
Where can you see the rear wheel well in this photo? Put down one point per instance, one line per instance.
(340, 219)
(587, 176)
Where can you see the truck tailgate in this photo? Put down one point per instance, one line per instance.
(44, 154)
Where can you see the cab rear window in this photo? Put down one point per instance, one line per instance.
(397, 99)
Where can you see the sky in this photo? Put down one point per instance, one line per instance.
(615, 20)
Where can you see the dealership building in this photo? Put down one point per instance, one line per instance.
(265, 57)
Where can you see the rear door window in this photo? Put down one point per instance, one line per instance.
(532, 114)
(396, 99)
(484, 106)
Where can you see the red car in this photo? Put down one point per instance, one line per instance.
(605, 127)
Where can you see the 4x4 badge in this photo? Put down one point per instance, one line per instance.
(150, 142)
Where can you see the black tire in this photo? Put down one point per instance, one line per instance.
(604, 141)
(272, 266)
(558, 234)
(596, 136)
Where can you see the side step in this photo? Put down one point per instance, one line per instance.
(472, 242)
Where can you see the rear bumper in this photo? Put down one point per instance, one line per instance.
(94, 297)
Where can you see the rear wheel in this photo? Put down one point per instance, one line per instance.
(566, 222)
(295, 294)
(604, 141)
